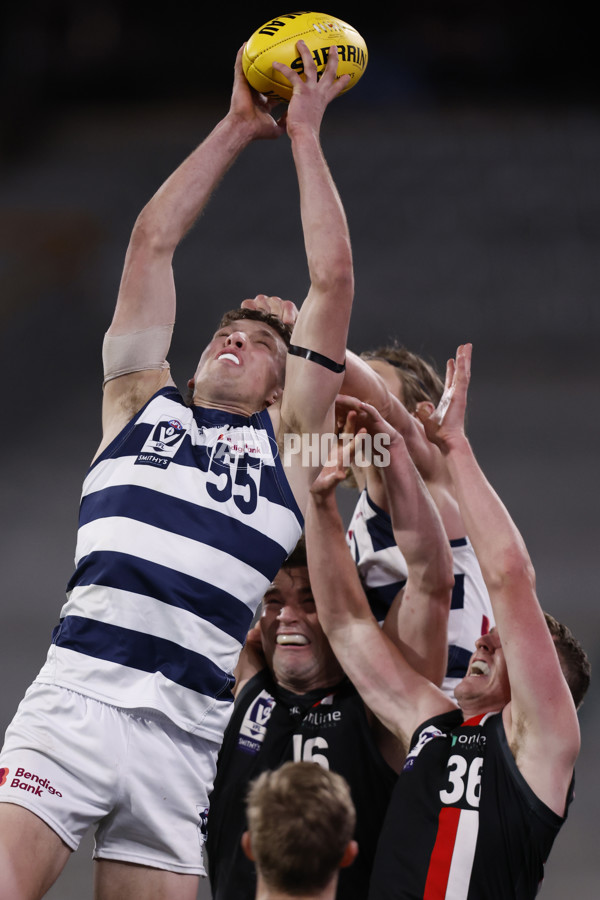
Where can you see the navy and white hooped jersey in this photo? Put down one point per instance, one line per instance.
(383, 572)
(462, 823)
(185, 519)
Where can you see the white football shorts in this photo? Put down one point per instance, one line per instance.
(141, 781)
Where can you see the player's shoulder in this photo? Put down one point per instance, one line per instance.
(125, 397)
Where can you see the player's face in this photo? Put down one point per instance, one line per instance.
(294, 644)
(243, 366)
(486, 681)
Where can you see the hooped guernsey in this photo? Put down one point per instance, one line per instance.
(270, 726)
(383, 572)
(463, 824)
(185, 519)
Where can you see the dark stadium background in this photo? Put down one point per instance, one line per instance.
(467, 158)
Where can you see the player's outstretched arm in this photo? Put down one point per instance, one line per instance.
(418, 619)
(362, 382)
(146, 300)
(322, 324)
(391, 688)
(541, 720)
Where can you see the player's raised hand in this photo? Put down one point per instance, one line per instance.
(333, 472)
(447, 421)
(367, 418)
(285, 310)
(251, 109)
(311, 94)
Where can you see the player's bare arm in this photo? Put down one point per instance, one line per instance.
(390, 687)
(417, 621)
(540, 720)
(146, 301)
(322, 324)
(363, 382)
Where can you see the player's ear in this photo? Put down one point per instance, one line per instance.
(350, 854)
(274, 397)
(247, 845)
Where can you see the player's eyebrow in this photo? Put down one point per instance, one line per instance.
(265, 332)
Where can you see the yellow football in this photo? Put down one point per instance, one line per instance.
(275, 41)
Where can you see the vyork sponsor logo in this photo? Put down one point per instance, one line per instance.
(33, 784)
(162, 445)
(315, 449)
(240, 448)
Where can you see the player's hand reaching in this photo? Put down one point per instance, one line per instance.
(274, 306)
(446, 423)
(367, 418)
(251, 109)
(251, 659)
(333, 473)
(312, 94)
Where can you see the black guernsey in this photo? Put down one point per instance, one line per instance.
(270, 726)
(462, 822)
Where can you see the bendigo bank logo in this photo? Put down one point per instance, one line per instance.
(240, 447)
(29, 782)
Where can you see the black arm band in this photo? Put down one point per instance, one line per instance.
(317, 358)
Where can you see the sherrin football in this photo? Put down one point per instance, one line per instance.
(275, 41)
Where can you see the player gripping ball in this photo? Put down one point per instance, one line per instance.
(276, 40)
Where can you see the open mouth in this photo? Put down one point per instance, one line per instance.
(230, 357)
(292, 640)
(478, 667)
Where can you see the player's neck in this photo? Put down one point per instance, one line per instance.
(473, 708)
(236, 407)
(264, 892)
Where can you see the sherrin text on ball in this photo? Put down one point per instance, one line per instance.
(276, 40)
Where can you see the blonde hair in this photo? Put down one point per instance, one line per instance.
(419, 378)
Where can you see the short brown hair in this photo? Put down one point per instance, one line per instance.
(297, 558)
(573, 658)
(301, 819)
(420, 379)
(234, 315)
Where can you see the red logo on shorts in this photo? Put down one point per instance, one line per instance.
(3, 776)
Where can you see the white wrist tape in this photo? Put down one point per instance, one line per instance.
(137, 351)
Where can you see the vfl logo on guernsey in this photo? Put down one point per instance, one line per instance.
(428, 734)
(254, 726)
(162, 445)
